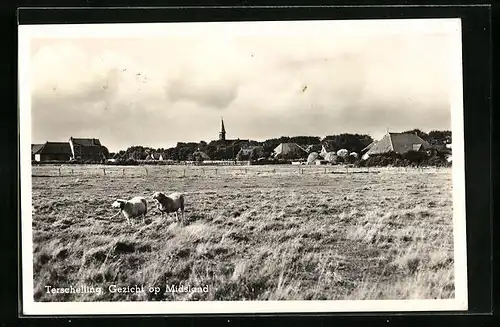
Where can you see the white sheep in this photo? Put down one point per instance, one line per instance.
(172, 203)
(132, 208)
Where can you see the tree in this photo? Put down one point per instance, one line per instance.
(439, 137)
(350, 142)
(424, 136)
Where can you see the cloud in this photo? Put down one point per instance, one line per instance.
(157, 91)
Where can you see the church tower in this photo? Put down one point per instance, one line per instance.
(222, 133)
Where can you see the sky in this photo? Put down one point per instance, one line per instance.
(266, 79)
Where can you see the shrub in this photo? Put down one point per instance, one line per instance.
(411, 158)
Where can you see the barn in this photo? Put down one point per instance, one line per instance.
(34, 149)
(200, 156)
(86, 149)
(249, 153)
(397, 142)
(51, 151)
(290, 151)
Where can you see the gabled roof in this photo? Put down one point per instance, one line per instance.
(287, 148)
(156, 155)
(86, 141)
(55, 148)
(368, 147)
(36, 147)
(399, 143)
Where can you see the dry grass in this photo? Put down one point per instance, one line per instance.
(254, 235)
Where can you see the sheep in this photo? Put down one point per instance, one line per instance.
(172, 203)
(132, 208)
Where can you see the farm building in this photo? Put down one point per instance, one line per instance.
(34, 149)
(200, 156)
(86, 149)
(246, 153)
(57, 151)
(155, 156)
(397, 142)
(290, 151)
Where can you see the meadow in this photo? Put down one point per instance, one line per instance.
(251, 233)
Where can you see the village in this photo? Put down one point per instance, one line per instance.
(398, 148)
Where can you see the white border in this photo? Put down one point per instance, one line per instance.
(27, 32)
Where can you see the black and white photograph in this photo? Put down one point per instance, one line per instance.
(242, 167)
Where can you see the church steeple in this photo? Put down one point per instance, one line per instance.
(222, 133)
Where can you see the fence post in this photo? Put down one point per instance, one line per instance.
(123, 171)
(104, 171)
(184, 172)
(59, 171)
(215, 171)
(72, 171)
(146, 169)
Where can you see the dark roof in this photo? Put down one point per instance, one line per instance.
(36, 147)
(368, 147)
(55, 148)
(86, 141)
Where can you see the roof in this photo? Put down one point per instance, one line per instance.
(366, 148)
(86, 141)
(399, 143)
(287, 148)
(36, 147)
(55, 148)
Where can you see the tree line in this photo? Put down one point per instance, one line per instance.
(232, 149)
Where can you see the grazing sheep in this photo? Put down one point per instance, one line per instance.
(172, 203)
(132, 208)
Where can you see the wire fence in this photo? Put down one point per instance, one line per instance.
(208, 171)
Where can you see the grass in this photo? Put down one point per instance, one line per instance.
(249, 235)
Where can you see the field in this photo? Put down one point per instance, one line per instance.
(251, 233)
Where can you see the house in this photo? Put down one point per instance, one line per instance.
(154, 156)
(51, 151)
(200, 156)
(86, 149)
(34, 150)
(397, 142)
(290, 151)
(248, 152)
